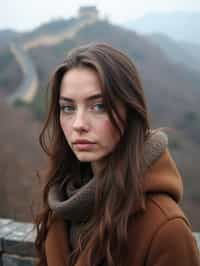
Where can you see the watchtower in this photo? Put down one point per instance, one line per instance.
(88, 11)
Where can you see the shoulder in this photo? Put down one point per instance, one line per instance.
(159, 209)
(163, 232)
(172, 241)
(164, 207)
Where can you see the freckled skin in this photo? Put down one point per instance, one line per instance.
(86, 121)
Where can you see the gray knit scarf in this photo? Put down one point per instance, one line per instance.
(78, 204)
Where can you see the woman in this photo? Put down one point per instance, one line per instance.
(112, 190)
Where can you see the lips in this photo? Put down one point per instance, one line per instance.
(83, 145)
(83, 141)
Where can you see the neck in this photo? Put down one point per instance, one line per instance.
(97, 167)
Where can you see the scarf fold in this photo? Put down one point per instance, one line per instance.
(80, 201)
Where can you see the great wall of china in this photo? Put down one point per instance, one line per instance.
(29, 85)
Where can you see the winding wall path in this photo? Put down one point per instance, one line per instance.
(29, 86)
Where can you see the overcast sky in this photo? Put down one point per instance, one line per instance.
(27, 14)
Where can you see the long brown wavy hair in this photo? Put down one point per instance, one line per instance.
(104, 237)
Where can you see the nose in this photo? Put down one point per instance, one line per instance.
(80, 122)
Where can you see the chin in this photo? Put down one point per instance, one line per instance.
(88, 157)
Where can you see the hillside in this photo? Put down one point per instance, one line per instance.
(177, 51)
(193, 49)
(10, 72)
(7, 36)
(161, 79)
(172, 92)
(20, 158)
(53, 27)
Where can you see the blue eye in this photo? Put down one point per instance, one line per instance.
(67, 108)
(99, 107)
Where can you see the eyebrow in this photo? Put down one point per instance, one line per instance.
(90, 98)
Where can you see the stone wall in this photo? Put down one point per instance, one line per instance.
(17, 243)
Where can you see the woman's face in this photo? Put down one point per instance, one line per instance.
(83, 118)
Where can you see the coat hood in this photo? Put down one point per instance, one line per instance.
(163, 177)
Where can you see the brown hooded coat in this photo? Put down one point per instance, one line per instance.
(160, 235)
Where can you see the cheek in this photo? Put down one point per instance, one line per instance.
(110, 133)
(65, 127)
(108, 126)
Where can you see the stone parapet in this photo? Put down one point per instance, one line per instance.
(16, 243)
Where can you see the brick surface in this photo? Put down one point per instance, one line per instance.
(4, 221)
(14, 260)
(6, 228)
(16, 241)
